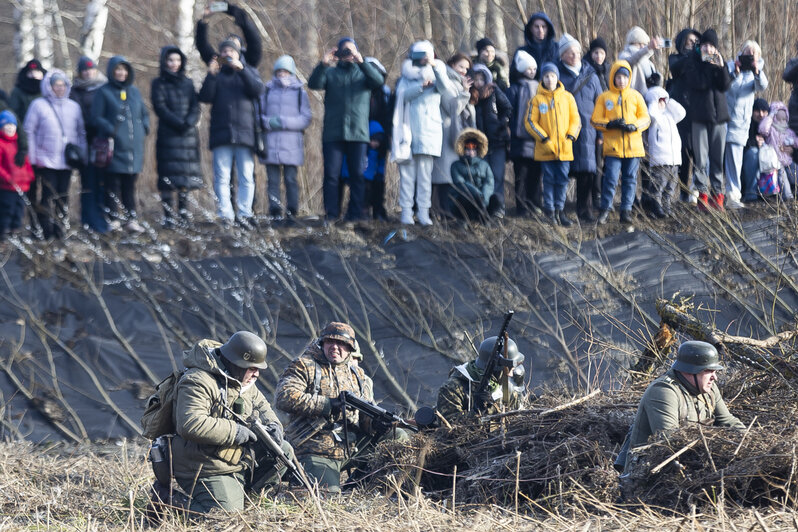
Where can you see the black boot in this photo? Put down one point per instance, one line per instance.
(603, 217)
(564, 220)
(626, 217)
(551, 217)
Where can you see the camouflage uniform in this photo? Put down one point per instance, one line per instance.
(458, 395)
(324, 452)
(203, 448)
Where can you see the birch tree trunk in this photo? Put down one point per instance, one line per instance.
(426, 18)
(184, 33)
(93, 31)
(462, 11)
(480, 22)
(725, 26)
(23, 40)
(43, 33)
(312, 33)
(497, 25)
(62, 38)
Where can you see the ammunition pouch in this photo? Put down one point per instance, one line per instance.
(231, 455)
(160, 456)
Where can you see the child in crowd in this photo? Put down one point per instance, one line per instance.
(622, 115)
(778, 135)
(523, 88)
(374, 175)
(471, 196)
(664, 150)
(553, 119)
(14, 180)
(750, 170)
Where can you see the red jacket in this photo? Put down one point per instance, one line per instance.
(11, 175)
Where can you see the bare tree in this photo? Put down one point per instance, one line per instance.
(43, 32)
(462, 11)
(497, 24)
(480, 20)
(23, 39)
(92, 34)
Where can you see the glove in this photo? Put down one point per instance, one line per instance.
(275, 123)
(485, 398)
(618, 123)
(19, 159)
(629, 128)
(275, 430)
(544, 140)
(571, 138)
(335, 407)
(244, 436)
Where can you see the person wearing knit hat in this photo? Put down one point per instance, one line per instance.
(708, 80)
(7, 117)
(250, 46)
(487, 55)
(579, 78)
(493, 111)
(748, 78)
(664, 151)
(285, 114)
(638, 51)
(750, 168)
(553, 120)
(622, 115)
(567, 41)
(348, 82)
(528, 186)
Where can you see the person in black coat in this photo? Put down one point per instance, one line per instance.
(231, 88)
(540, 41)
(685, 44)
(251, 47)
(177, 147)
(708, 79)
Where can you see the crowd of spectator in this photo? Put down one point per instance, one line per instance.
(556, 112)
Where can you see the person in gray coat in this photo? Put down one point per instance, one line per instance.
(579, 78)
(285, 114)
(747, 79)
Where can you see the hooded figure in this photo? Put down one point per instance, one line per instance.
(775, 128)
(27, 88)
(472, 177)
(177, 147)
(543, 51)
(684, 44)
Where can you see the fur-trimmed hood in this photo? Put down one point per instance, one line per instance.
(472, 134)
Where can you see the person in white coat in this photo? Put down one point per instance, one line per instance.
(638, 51)
(748, 78)
(664, 150)
(418, 128)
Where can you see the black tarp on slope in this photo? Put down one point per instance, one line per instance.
(69, 371)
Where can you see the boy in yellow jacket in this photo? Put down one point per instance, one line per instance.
(621, 114)
(553, 119)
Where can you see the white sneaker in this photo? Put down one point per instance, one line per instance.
(134, 227)
(423, 217)
(114, 225)
(693, 199)
(732, 203)
(407, 217)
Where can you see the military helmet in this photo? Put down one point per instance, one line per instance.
(694, 357)
(245, 350)
(486, 348)
(336, 330)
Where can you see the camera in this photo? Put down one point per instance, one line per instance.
(746, 62)
(343, 53)
(667, 43)
(418, 55)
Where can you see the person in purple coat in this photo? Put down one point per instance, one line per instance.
(53, 121)
(285, 114)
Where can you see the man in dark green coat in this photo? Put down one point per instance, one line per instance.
(347, 81)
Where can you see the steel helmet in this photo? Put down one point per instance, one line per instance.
(694, 357)
(486, 348)
(245, 350)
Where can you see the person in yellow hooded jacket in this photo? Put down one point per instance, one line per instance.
(553, 119)
(621, 114)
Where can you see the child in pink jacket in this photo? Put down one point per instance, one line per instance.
(778, 134)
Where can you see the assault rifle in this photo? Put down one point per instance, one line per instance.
(378, 414)
(497, 359)
(266, 440)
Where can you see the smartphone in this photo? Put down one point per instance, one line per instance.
(667, 43)
(218, 7)
(746, 62)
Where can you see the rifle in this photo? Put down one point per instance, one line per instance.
(376, 413)
(254, 424)
(497, 358)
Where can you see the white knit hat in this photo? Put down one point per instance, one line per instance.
(566, 41)
(637, 35)
(524, 61)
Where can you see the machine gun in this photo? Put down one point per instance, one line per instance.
(378, 415)
(271, 446)
(498, 359)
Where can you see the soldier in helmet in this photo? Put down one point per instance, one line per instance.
(309, 390)
(209, 451)
(459, 394)
(686, 393)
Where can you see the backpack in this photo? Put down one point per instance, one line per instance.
(158, 418)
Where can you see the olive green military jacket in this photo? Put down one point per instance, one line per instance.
(205, 432)
(306, 406)
(669, 402)
(457, 395)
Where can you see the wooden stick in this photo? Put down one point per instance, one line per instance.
(761, 521)
(706, 446)
(674, 456)
(443, 420)
(566, 406)
(737, 450)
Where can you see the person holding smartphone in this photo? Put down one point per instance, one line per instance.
(347, 81)
(251, 45)
(747, 79)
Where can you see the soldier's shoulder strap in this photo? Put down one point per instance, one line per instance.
(317, 378)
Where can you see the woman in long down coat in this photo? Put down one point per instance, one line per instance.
(177, 147)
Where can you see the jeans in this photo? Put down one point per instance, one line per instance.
(91, 194)
(750, 174)
(627, 168)
(223, 157)
(356, 159)
(291, 189)
(497, 159)
(12, 209)
(555, 184)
